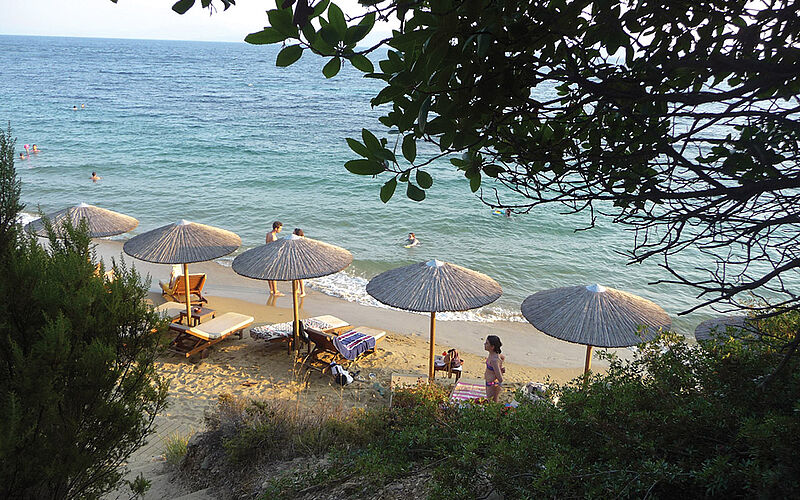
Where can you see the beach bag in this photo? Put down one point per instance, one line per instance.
(340, 375)
(452, 359)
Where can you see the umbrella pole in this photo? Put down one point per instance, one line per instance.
(188, 295)
(296, 337)
(587, 365)
(432, 347)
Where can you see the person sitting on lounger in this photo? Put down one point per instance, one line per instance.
(174, 275)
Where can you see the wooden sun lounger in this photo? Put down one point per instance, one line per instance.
(177, 292)
(283, 332)
(325, 351)
(196, 339)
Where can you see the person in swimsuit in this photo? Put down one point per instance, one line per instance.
(494, 367)
(95, 177)
(412, 240)
(272, 236)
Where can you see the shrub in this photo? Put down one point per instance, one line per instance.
(175, 448)
(78, 390)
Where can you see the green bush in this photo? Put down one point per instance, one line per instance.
(78, 390)
(679, 418)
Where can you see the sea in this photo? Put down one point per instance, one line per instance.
(215, 133)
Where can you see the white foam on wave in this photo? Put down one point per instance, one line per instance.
(354, 289)
(26, 218)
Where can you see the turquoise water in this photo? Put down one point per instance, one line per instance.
(215, 133)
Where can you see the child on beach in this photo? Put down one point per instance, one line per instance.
(299, 232)
(277, 226)
(494, 367)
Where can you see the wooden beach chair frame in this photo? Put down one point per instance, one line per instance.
(177, 292)
(191, 340)
(324, 346)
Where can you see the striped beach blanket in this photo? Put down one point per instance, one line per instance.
(278, 330)
(353, 343)
(464, 391)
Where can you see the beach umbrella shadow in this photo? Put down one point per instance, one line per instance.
(434, 286)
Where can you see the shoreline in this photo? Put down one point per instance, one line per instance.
(227, 291)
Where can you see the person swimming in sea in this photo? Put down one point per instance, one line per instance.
(95, 177)
(75, 108)
(412, 241)
(35, 149)
(22, 156)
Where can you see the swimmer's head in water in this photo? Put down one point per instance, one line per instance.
(277, 225)
(94, 174)
(411, 235)
(299, 232)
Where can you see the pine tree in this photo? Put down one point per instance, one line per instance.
(78, 388)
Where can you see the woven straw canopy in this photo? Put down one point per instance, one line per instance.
(101, 222)
(182, 242)
(292, 258)
(595, 316)
(434, 286)
(739, 326)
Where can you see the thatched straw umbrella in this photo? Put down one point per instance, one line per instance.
(101, 222)
(738, 326)
(595, 316)
(182, 242)
(434, 286)
(292, 259)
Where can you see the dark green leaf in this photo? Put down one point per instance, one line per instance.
(424, 179)
(415, 193)
(266, 36)
(358, 148)
(493, 170)
(364, 167)
(370, 141)
(332, 68)
(475, 182)
(361, 63)
(181, 6)
(422, 118)
(320, 8)
(388, 190)
(410, 148)
(289, 55)
(336, 18)
(281, 20)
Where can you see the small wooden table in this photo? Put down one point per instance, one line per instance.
(197, 317)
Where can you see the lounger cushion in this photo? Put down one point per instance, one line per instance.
(221, 326)
(170, 309)
(284, 330)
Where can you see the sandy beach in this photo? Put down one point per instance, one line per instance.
(251, 368)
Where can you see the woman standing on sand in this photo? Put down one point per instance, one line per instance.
(494, 367)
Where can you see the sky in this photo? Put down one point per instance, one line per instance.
(152, 19)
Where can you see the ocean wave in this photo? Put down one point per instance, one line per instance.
(354, 289)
